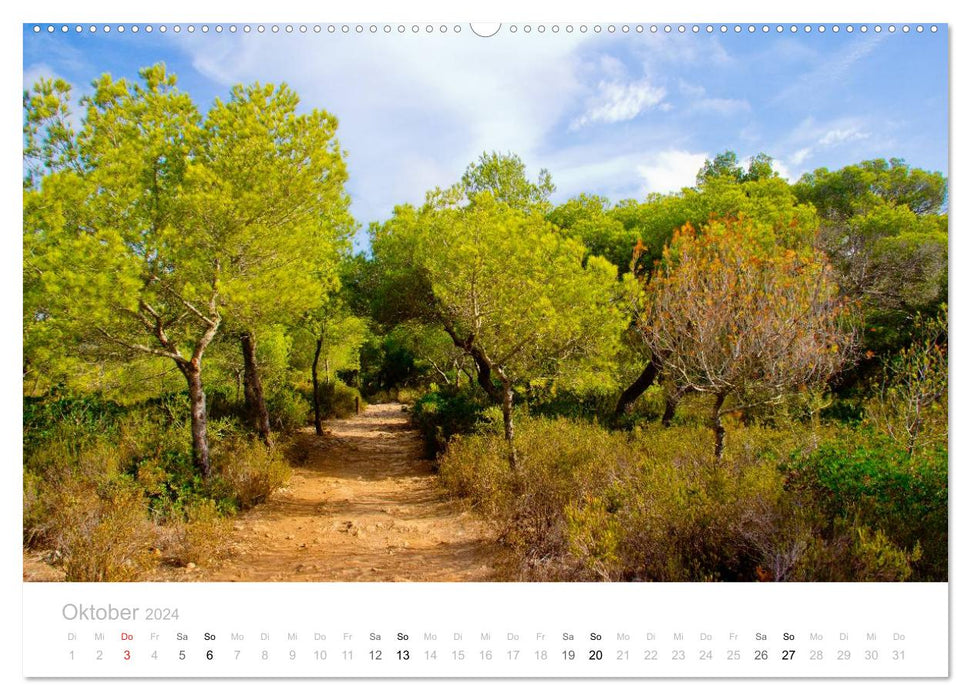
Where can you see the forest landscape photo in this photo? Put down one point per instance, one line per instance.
(586, 306)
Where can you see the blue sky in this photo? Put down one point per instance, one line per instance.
(614, 114)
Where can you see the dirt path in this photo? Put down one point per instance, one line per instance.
(363, 506)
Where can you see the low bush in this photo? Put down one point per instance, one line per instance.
(854, 552)
(337, 400)
(102, 534)
(382, 396)
(250, 470)
(441, 414)
(201, 538)
(408, 395)
(111, 491)
(653, 504)
(867, 480)
(289, 409)
(574, 404)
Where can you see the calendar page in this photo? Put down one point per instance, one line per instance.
(527, 349)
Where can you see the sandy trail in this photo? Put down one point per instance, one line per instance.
(364, 506)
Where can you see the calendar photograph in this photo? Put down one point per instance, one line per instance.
(607, 303)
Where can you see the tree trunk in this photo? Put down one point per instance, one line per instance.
(253, 388)
(197, 403)
(716, 425)
(634, 391)
(318, 426)
(483, 366)
(671, 402)
(507, 399)
(483, 371)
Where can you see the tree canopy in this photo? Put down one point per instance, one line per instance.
(733, 317)
(152, 227)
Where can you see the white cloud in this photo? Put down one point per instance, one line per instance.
(619, 102)
(783, 169)
(696, 92)
(611, 67)
(811, 137)
(800, 156)
(412, 114)
(670, 170)
(835, 136)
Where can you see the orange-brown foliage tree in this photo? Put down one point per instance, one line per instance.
(736, 315)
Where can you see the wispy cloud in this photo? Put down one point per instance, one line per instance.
(698, 100)
(828, 73)
(811, 137)
(835, 136)
(800, 156)
(35, 72)
(619, 102)
(724, 106)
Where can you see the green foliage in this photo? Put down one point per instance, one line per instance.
(399, 287)
(911, 403)
(105, 486)
(483, 264)
(855, 553)
(522, 292)
(884, 230)
(765, 200)
(865, 479)
(595, 402)
(590, 219)
(153, 226)
(588, 503)
(841, 194)
(441, 415)
(337, 400)
(725, 166)
(341, 340)
(386, 364)
(504, 177)
(433, 355)
(289, 408)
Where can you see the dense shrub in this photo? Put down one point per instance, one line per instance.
(578, 404)
(251, 470)
(201, 537)
(441, 414)
(408, 395)
(289, 409)
(589, 503)
(101, 534)
(337, 400)
(866, 479)
(49, 417)
(109, 491)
